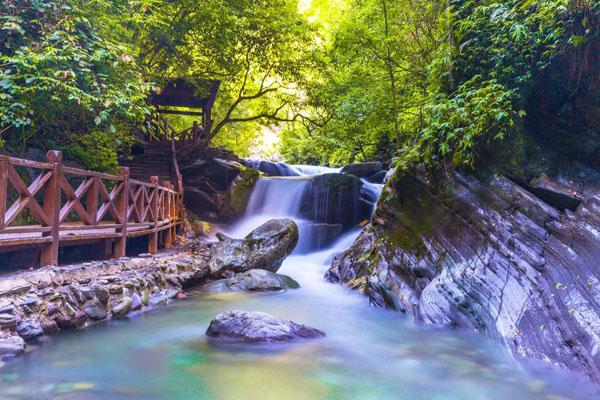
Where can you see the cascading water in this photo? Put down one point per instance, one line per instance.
(322, 202)
(368, 354)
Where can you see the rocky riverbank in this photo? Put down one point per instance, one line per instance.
(518, 262)
(48, 300)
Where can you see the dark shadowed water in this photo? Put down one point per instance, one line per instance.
(368, 354)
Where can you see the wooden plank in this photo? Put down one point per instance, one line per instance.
(179, 112)
(30, 164)
(83, 172)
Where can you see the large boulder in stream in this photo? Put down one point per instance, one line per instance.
(258, 327)
(255, 280)
(364, 169)
(334, 199)
(264, 248)
(489, 255)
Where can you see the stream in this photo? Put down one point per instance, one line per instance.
(368, 353)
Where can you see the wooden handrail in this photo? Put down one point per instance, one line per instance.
(50, 211)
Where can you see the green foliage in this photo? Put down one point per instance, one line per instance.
(99, 150)
(62, 76)
(456, 122)
(431, 82)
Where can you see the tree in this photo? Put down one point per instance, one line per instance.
(258, 49)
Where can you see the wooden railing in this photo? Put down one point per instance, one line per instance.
(158, 130)
(63, 205)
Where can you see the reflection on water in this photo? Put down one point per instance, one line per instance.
(368, 354)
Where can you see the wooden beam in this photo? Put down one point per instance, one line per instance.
(179, 112)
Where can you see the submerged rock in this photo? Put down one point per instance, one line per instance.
(258, 327)
(264, 248)
(258, 280)
(490, 256)
(11, 346)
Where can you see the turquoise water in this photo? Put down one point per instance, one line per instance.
(368, 354)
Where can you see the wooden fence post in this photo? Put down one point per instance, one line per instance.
(122, 210)
(167, 236)
(52, 200)
(3, 188)
(153, 238)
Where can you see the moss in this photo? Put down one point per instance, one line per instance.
(237, 196)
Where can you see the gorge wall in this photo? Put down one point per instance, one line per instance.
(489, 255)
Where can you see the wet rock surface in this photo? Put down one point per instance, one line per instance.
(487, 255)
(363, 170)
(217, 184)
(264, 248)
(255, 280)
(258, 327)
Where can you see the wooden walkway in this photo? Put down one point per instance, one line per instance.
(64, 206)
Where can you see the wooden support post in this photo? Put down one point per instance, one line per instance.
(3, 189)
(92, 200)
(153, 237)
(167, 138)
(107, 248)
(195, 132)
(122, 210)
(49, 254)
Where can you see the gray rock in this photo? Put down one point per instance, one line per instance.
(363, 170)
(70, 319)
(101, 293)
(159, 299)
(49, 326)
(171, 293)
(8, 321)
(136, 302)
(264, 248)
(95, 311)
(10, 287)
(254, 280)
(258, 327)
(122, 308)
(11, 346)
(29, 329)
(115, 289)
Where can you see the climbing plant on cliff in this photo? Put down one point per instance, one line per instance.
(495, 51)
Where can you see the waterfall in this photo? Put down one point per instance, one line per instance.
(282, 169)
(324, 203)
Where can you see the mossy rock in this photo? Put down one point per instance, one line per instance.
(237, 196)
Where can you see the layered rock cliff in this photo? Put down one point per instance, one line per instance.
(490, 255)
